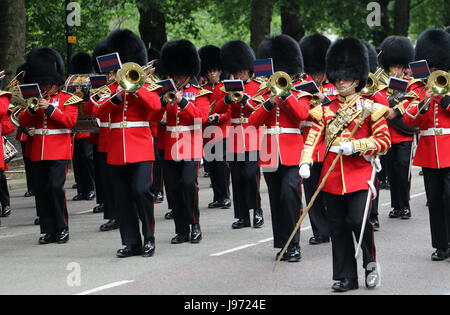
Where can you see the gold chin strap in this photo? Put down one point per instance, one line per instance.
(351, 87)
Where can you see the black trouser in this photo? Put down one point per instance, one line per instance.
(50, 195)
(346, 213)
(374, 203)
(109, 197)
(157, 185)
(28, 168)
(398, 157)
(318, 212)
(83, 166)
(437, 187)
(219, 171)
(383, 174)
(4, 193)
(97, 175)
(131, 185)
(245, 177)
(285, 193)
(182, 186)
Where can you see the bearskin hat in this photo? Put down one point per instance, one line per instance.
(80, 63)
(44, 66)
(348, 58)
(314, 49)
(210, 59)
(130, 46)
(433, 45)
(180, 57)
(396, 50)
(284, 51)
(373, 57)
(237, 56)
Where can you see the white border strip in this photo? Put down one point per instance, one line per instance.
(106, 287)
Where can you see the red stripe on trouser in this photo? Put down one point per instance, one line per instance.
(195, 194)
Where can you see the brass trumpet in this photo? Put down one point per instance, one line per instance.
(170, 97)
(280, 83)
(439, 82)
(371, 86)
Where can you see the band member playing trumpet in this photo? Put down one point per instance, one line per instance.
(346, 189)
(281, 148)
(243, 139)
(5, 97)
(51, 150)
(186, 111)
(130, 151)
(431, 113)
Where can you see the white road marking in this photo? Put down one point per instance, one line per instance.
(411, 197)
(249, 245)
(106, 287)
(84, 212)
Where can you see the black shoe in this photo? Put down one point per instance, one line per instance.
(74, 186)
(345, 285)
(149, 248)
(284, 258)
(226, 204)
(48, 239)
(6, 211)
(36, 221)
(100, 208)
(109, 226)
(394, 214)
(78, 197)
(89, 196)
(240, 224)
(63, 236)
(405, 214)
(196, 234)
(421, 173)
(372, 279)
(159, 198)
(129, 251)
(375, 222)
(180, 238)
(440, 255)
(316, 240)
(293, 253)
(258, 218)
(169, 215)
(214, 205)
(29, 194)
(206, 175)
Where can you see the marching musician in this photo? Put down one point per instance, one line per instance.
(431, 113)
(6, 129)
(219, 171)
(243, 140)
(51, 148)
(185, 115)
(346, 190)
(130, 152)
(282, 143)
(396, 54)
(314, 49)
(5, 97)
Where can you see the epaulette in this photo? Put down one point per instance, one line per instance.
(5, 93)
(259, 99)
(223, 89)
(414, 81)
(262, 87)
(411, 94)
(316, 113)
(382, 87)
(153, 86)
(73, 100)
(302, 94)
(260, 80)
(379, 111)
(203, 92)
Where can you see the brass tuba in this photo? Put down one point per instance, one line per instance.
(371, 86)
(439, 82)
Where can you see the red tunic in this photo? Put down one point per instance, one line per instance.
(4, 104)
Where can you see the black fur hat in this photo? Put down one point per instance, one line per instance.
(80, 63)
(433, 45)
(396, 50)
(373, 57)
(314, 49)
(237, 56)
(130, 46)
(284, 51)
(180, 57)
(99, 50)
(347, 58)
(210, 59)
(44, 66)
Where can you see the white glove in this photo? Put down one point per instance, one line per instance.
(305, 171)
(346, 148)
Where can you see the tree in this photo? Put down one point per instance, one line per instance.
(152, 24)
(290, 19)
(12, 36)
(261, 18)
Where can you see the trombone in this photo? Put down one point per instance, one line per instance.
(439, 83)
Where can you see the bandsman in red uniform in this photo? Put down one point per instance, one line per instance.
(5, 97)
(396, 54)
(219, 171)
(314, 49)
(51, 149)
(7, 128)
(346, 189)
(183, 147)
(243, 139)
(130, 152)
(433, 148)
(282, 142)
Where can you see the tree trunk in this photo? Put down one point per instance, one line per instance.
(290, 19)
(12, 36)
(380, 33)
(261, 18)
(152, 25)
(401, 17)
